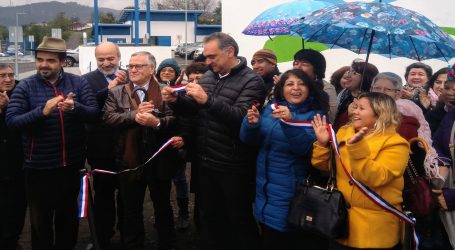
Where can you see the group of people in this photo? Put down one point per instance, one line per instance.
(239, 127)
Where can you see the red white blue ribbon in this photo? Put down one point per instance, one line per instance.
(83, 196)
(179, 88)
(84, 186)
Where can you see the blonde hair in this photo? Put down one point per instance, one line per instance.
(385, 108)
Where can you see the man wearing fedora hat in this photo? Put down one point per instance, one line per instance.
(50, 109)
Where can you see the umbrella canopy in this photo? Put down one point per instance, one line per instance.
(276, 20)
(377, 28)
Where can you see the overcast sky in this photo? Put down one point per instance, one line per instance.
(114, 4)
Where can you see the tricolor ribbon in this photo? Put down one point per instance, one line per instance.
(179, 88)
(83, 196)
(83, 190)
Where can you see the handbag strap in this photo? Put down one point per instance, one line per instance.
(332, 181)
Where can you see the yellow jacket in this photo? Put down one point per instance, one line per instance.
(378, 161)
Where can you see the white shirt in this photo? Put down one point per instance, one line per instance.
(141, 94)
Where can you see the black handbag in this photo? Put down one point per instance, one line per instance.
(321, 210)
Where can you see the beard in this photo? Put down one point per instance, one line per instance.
(108, 72)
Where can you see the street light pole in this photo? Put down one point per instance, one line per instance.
(16, 67)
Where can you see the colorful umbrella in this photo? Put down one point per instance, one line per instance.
(276, 20)
(377, 28)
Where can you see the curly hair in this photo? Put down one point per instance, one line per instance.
(321, 99)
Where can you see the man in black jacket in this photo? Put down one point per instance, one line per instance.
(100, 142)
(226, 165)
(12, 190)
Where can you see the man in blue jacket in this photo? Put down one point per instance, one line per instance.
(50, 109)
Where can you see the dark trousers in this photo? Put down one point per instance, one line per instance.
(225, 205)
(52, 199)
(132, 191)
(181, 190)
(12, 210)
(107, 206)
(291, 240)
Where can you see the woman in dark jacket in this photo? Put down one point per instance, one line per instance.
(283, 160)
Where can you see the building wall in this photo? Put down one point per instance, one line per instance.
(174, 29)
(104, 38)
(87, 62)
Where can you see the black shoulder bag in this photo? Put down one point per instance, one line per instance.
(321, 210)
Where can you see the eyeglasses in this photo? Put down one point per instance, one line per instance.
(137, 66)
(383, 90)
(352, 72)
(5, 75)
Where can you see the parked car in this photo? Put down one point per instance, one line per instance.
(198, 52)
(3, 54)
(191, 48)
(72, 57)
(180, 48)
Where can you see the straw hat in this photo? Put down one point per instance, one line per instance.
(51, 44)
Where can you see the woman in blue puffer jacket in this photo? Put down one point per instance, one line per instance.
(284, 156)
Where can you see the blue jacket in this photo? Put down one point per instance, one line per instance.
(282, 162)
(57, 140)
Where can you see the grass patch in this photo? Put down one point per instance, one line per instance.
(286, 46)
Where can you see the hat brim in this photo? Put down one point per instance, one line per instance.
(48, 50)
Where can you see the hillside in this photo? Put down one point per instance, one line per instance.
(44, 12)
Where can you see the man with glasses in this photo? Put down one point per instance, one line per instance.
(225, 165)
(12, 190)
(50, 108)
(143, 123)
(100, 144)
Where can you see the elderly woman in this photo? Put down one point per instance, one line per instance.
(352, 81)
(376, 155)
(283, 160)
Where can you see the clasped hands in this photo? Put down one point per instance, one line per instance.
(144, 115)
(64, 104)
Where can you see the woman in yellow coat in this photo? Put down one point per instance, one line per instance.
(376, 155)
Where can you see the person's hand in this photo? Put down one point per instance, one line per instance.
(282, 112)
(197, 92)
(424, 98)
(253, 115)
(147, 120)
(177, 142)
(51, 104)
(180, 78)
(358, 136)
(67, 105)
(168, 95)
(440, 198)
(276, 79)
(146, 107)
(320, 129)
(407, 93)
(4, 100)
(120, 78)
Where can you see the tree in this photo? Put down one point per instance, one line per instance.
(107, 18)
(60, 21)
(38, 31)
(3, 32)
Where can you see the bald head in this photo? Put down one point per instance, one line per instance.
(107, 57)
